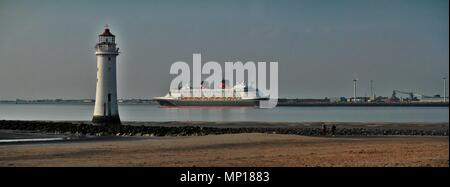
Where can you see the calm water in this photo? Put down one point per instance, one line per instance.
(281, 114)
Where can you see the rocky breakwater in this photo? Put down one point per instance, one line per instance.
(85, 128)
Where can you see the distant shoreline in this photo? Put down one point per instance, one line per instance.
(280, 104)
(418, 104)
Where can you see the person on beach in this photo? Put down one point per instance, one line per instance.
(324, 130)
(333, 130)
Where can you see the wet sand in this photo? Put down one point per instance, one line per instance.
(246, 149)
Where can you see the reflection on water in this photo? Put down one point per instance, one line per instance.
(282, 114)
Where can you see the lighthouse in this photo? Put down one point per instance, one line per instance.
(106, 110)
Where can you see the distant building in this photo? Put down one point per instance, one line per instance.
(431, 99)
(358, 99)
(380, 99)
(338, 99)
(88, 101)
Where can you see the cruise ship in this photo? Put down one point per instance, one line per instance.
(240, 95)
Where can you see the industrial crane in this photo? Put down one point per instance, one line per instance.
(411, 95)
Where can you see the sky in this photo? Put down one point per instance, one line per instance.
(47, 47)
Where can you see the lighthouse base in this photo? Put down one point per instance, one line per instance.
(106, 120)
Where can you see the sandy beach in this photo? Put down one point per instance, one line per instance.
(246, 149)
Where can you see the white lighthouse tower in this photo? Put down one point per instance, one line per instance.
(106, 110)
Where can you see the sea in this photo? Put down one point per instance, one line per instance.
(150, 112)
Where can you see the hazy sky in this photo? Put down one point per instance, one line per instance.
(47, 47)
